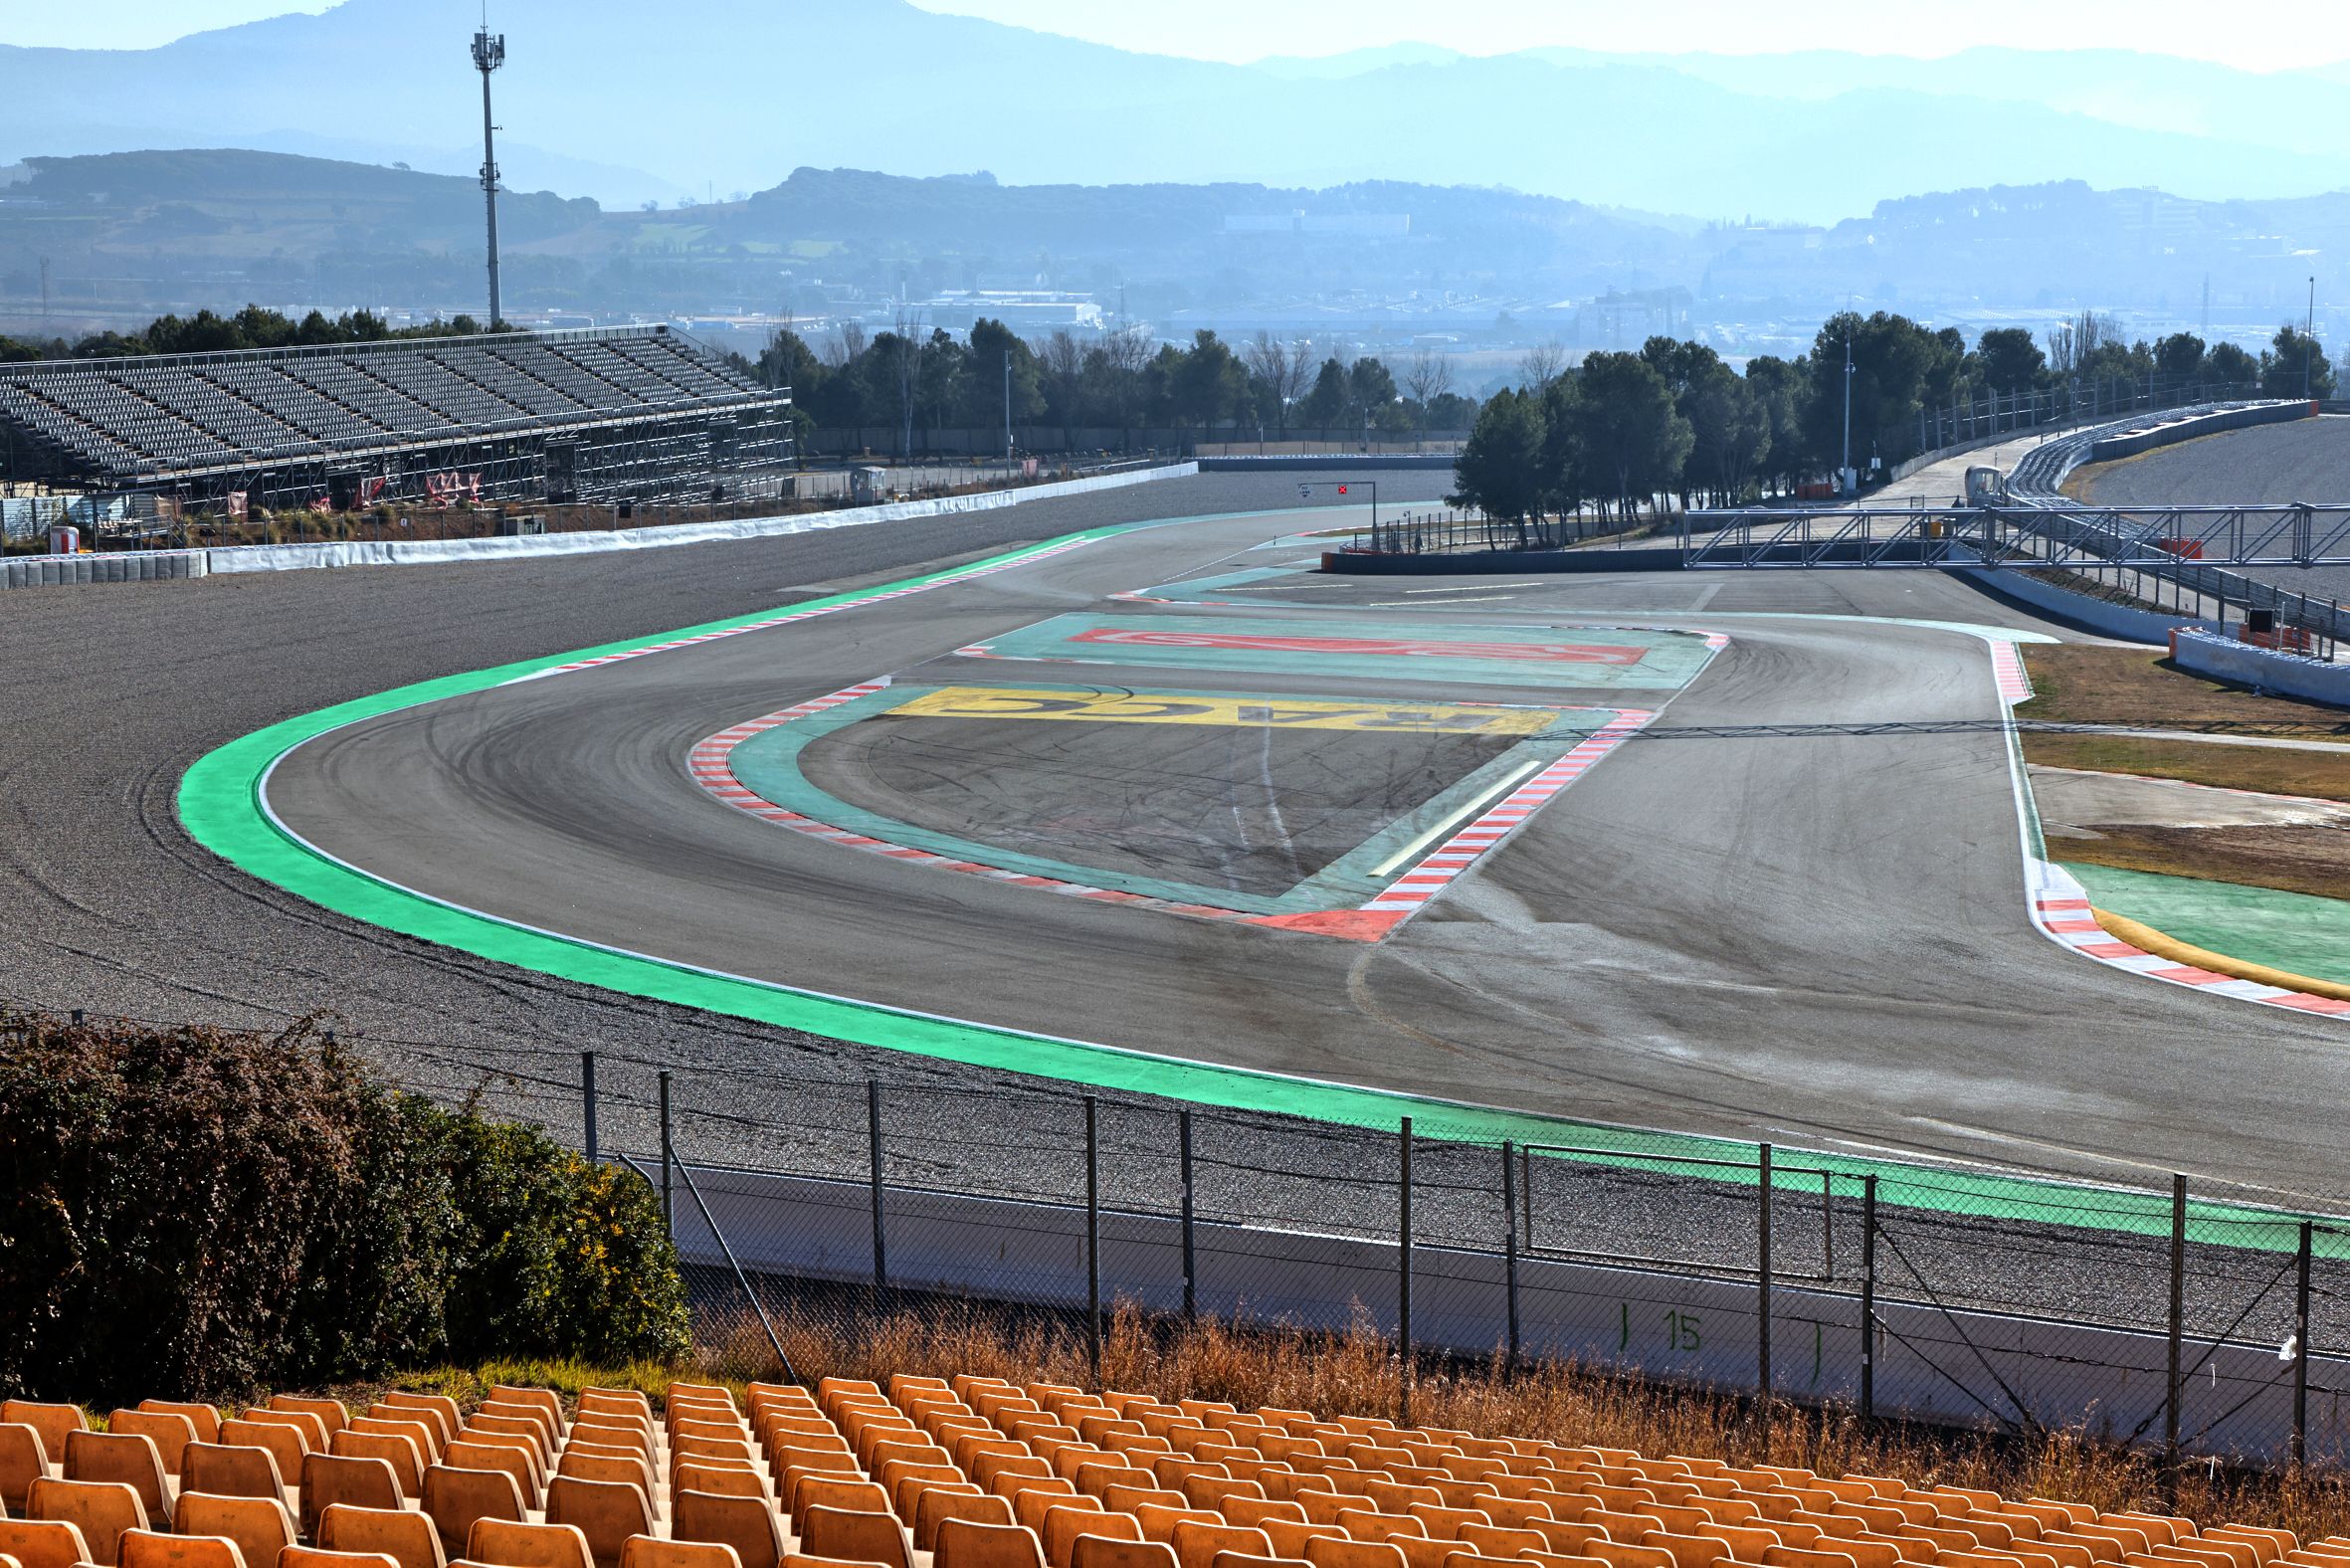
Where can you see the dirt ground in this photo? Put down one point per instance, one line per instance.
(2294, 860)
(2080, 684)
(2085, 683)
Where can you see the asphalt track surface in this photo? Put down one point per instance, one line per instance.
(2306, 460)
(112, 692)
(1816, 941)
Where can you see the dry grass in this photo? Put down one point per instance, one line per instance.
(2082, 684)
(1357, 1374)
(2313, 861)
(2318, 775)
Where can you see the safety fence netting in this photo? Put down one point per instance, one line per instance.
(2195, 1319)
(2191, 1317)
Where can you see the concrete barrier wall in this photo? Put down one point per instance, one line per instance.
(2129, 442)
(2267, 668)
(425, 552)
(128, 566)
(1473, 564)
(2097, 615)
(1959, 1368)
(1323, 463)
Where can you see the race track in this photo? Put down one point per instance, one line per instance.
(1819, 938)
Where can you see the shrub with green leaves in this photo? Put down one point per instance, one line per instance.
(194, 1211)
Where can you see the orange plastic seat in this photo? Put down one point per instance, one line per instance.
(441, 1405)
(529, 1426)
(1102, 1551)
(606, 1512)
(399, 1453)
(203, 1418)
(1064, 1527)
(320, 1557)
(101, 1509)
(746, 1524)
(330, 1412)
(129, 1458)
(363, 1484)
(308, 1422)
(24, 1460)
(853, 1536)
(169, 1430)
(411, 1426)
(153, 1549)
(261, 1526)
(936, 1507)
(454, 1497)
(840, 1494)
(224, 1470)
(1197, 1545)
(645, 1551)
(53, 1422)
(285, 1442)
(975, 1543)
(510, 1543)
(43, 1544)
(727, 1481)
(587, 1464)
(407, 1537)
(511, 1462)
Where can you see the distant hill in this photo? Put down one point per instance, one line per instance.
(714, 96)
(129, 235)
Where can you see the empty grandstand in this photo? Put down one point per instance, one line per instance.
(636, 413)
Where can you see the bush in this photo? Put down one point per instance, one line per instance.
(191, 1212)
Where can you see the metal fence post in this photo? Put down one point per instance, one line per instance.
(1093, 1243)
(1509, 1248)
(873, 1144)
(2300, 1450)
(1191, 1279)
(1762, 1277)
(2170, 1404)
(1868, 1297)
(587, 1100)
(669, 1207)
(1404, 1279)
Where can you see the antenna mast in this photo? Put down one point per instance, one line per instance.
(489, 54)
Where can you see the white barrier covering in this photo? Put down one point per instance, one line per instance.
(1960, 1367)
(425, 552)
(2268, 669)
(2101, 616)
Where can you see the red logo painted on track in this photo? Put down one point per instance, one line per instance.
(1551, 653)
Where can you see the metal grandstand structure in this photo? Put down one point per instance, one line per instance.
(607, 415)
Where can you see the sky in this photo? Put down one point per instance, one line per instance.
(2257, 35)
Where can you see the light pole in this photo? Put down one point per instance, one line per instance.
(489, 54)
(1006, 405)
(1844, 474)
(2309, 337)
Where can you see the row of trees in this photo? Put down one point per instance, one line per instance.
(911, 382)
(251, 328)
(1622, 430)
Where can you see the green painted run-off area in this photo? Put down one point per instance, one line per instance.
(2293, 931)
(221, 805)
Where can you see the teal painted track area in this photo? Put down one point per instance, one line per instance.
(1609, 659)
(1290, 806)
(1726, 934)
(2297, 933)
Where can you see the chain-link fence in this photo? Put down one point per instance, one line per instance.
(2183, 1319)
(2193, 1319)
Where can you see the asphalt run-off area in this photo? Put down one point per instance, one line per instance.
(1159, 809)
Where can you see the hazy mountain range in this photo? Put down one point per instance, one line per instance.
(715, 96)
